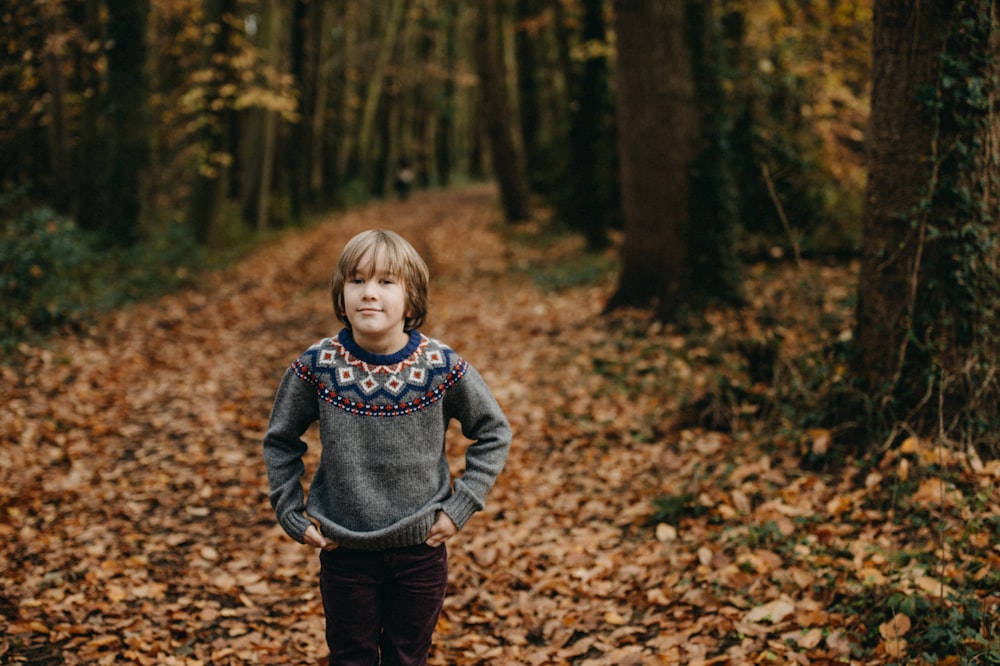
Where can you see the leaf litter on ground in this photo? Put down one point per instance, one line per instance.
(135, 526)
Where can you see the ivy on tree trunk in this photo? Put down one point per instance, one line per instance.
(926, 338)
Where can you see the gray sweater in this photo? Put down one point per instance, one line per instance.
(383, 474)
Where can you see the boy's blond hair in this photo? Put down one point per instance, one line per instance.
(394, 255)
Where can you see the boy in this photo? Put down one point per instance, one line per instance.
(381, 503)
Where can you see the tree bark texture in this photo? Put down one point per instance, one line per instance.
(506, 153)
(90, 200)
(657, 140)
(208, 188)
(927, 291)
(273, 18)
(592, 194)
(529, 94)
(374, 91)
(127, 116)
(59, 141)
(306, 47)
(906, 45)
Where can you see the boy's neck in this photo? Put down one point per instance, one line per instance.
(382, 346)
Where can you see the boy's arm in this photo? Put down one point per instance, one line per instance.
(295, 409)
(473, 405)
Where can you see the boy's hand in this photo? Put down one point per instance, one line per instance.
(442, 529)
(316, 540)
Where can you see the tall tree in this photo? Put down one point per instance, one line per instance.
(678, 253)
(88, 162)
(127, 118)
(322, 155)
(261, 136)
(59, 141)
(529, 91)
(506, 151)
(927, 331)
(444, 150)
(592, 194)
(308, 23)
(350, 88)
(213, 138)
(367, 139)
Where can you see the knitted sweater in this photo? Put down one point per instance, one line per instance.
(383, 474)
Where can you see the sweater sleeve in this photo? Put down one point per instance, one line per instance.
(295, 409)
(473, 405)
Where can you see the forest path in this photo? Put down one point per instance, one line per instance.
(136, 529)
(136, 525)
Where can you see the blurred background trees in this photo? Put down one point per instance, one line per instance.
(167, 133)
(253, 113)
(146, 138)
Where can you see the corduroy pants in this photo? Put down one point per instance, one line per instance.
(381, 607)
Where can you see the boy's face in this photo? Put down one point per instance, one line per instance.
(376, 305)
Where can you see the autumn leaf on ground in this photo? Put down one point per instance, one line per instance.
(135, 525)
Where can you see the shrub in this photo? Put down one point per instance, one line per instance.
(55, 276)
(44, 260)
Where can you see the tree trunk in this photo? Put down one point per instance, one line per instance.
(90, 200)
(654, 83)
(926, 337)
(403, 152)
(306, 44)
(273, 19)
(330, 149)
(589, 206)
(444, 148)
(318, 174)
(260, 135)
(666, 138)
(507, 160)
(529, 95)
(714, 213)
(208, 189)
(59, 152)
(347, 117)
(127, 105)
(373, 94)
(427, 96)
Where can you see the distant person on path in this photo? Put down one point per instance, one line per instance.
(382, 502)
(404, 179)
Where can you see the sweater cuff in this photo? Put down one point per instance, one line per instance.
(295, 526)
(460, 508)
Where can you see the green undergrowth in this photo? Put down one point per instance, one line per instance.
(56, 277)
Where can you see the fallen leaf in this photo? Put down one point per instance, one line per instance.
(666, 533)
(774, 612)
(611, 617)
(895, 628)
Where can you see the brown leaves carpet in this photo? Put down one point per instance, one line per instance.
(135, 527)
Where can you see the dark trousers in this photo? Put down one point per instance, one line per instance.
(381, 607)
